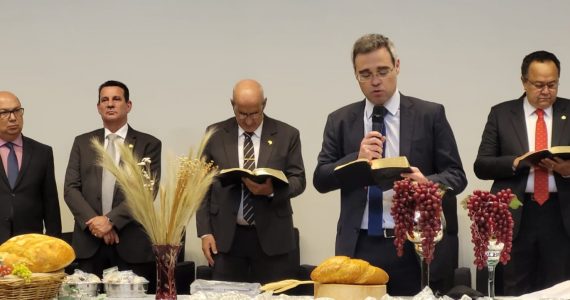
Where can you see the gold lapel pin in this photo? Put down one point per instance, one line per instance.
(270, 142)
(131, 146)
(563, 117)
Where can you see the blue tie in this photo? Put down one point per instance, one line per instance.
(12, 165)
(375, 209)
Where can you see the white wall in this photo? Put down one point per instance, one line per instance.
(181, 59)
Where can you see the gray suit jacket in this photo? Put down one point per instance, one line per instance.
(505, 137)
(82, 193)
(280, 148)
(33, 204)
(426, 139)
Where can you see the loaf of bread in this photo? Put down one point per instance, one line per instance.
(345, 270)
(41, 253)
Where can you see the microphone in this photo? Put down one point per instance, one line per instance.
(378, 118)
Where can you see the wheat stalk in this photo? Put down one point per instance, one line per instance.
(187, 181)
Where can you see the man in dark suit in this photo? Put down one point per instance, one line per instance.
(247, 227)
(413, 128)
(105, 234)
(28, 193)
(540, 254)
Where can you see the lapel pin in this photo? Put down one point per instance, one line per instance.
(131, 146)
(563, 117)
(270, 142)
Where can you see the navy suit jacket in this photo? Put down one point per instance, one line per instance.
(426, 139)
(280, 148)
(82, 193)
(505, 138)
(33, 204)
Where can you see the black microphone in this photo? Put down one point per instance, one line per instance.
(378, 118)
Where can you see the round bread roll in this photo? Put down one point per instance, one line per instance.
(41, 253)
(346, 270)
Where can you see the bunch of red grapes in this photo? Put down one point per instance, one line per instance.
(5, 270)
(421, 198)
(491, 219)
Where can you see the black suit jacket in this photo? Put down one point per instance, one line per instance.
(426, 139)
(82, 193)
(280, 148)
(33, 203)
(505, 137)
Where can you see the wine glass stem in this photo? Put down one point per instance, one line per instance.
(424, 273)
(491, 282)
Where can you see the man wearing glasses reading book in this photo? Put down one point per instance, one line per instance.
(246, 225)
(413, 128)
(517, 133)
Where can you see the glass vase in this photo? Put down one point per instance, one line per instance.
(493, 256)
(166, 258)
(416, 239)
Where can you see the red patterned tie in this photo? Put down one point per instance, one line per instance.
(540, 174)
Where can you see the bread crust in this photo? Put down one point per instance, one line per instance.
(346, 270)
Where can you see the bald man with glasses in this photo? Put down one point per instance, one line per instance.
(247, 227)
(28, 194)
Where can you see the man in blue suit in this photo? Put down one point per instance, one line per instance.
(414, 128)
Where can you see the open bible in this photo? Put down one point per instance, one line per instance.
(533, 158)
(259, 175)
(382, 172)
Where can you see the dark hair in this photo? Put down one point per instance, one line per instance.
(117, 84)
(371, 42)
(540, 56)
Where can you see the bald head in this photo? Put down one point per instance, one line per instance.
(11, 116)
(8, 96)
(248, 91)
(248, 102)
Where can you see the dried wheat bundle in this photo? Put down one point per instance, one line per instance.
(181, 192)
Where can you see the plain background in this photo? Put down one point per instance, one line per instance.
(181, 59)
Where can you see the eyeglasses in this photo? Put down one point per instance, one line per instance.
(369, 76)
(254, 115)
(18, 112)
(553, 85)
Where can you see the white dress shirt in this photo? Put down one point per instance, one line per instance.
(531, 117)
(392, 149)
(256, 140)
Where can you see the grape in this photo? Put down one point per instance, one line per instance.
(491, 219)
(5, 270)
(425, 198)
(22, 271)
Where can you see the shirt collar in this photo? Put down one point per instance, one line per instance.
(256, 133)
(392, 105)
(122, 132)
(529, 109)
(18, 141)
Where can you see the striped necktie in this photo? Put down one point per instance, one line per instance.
(248, 163)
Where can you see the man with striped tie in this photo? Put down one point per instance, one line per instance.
(247, 227)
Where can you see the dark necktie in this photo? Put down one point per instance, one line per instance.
(108, 181)
(540, 174)
(248, 163)
(375, 209)
(13, 169)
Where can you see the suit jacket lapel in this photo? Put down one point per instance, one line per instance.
(266, 142)
(517, 119)
(407, 118)
(355, 132)
(27, 152)
(100, 135)
(231, 143)
(559, 116)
